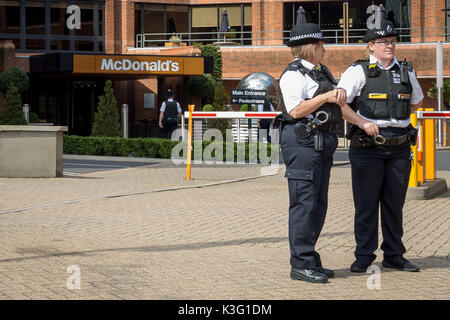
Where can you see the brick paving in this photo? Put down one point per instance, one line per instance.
(138, 233)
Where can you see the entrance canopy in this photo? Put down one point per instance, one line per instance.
(119, 66)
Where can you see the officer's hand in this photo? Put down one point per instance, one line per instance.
(341, 96)
(370, 128)
(160, 124)
(331, 96)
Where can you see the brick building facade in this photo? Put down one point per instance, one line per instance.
(259, 27)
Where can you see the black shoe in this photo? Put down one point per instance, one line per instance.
(329, 273)
(361, 264)
(399, 263)
(308, 275)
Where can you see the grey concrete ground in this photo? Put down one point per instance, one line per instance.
(146, 233)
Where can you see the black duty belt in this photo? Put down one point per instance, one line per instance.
(367, 141)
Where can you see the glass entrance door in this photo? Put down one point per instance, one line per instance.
(84, 101)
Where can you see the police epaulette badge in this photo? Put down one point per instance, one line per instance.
(373, 70)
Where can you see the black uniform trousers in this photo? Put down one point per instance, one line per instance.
(169, 126)
(308, 174)
(380, 177)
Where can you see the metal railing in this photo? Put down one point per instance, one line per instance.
(266, 38)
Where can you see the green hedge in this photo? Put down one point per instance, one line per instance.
(138, 147)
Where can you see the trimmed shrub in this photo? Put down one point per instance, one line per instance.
(107, 119)
(137, 147)
(15, 76)
(208, 107)
(432, 93)
(34, 118)
(244, 107)
(12, 113)
(202, 86)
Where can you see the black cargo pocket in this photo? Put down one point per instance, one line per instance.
(379, 110)
(300, 184)
(403, 110)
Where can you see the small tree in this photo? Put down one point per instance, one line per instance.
(12, 113)
(107, 119)
(432, 92)
(220, 102)
(208, 107)
(244, 107)
(203, 87)
(17, 77)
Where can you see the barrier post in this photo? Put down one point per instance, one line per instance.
(183, 125)
(189, 147)
(413, 175)
(429, 148)
(189, 143)
(420, 145)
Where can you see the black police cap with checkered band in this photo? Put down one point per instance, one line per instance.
(386, 29)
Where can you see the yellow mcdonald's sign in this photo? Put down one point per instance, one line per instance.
(138, 65)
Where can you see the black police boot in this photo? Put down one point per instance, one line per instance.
(362, 263)
(399, 263)
(308, 275)
(329, 273)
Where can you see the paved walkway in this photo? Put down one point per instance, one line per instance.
(145, 233)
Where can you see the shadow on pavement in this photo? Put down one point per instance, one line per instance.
(434, 262)
(179, 247)
(80, 177)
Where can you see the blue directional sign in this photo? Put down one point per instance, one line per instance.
(248, 96)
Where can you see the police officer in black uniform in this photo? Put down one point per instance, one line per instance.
(169, 114)
(383, 91)
(308, 124)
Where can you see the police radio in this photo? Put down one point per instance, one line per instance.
(405, 67)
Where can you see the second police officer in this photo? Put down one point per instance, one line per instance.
(310, 116)
(384, 92)
(169, 114)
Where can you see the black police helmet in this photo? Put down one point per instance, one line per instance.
(303, 32)
(170, 94)
(386, 29)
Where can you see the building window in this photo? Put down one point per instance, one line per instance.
(191, 24)
(160, 22)
(329, 14)
(87, 20)
(35, 17)
(206, 23)
(58, 18)
(10, 21)
(10, 17)
(41, 26)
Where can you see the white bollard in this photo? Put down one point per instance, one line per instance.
(439, 87)
(125, 120)
(26, 112)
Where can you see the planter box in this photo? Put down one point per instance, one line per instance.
(31, 151)
(175, 44)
